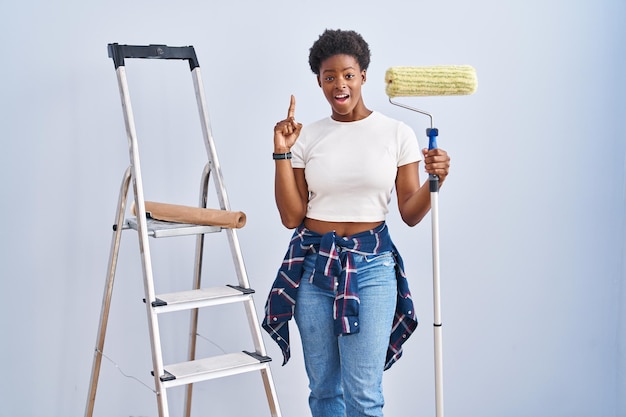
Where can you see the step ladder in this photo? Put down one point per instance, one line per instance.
(195, 369)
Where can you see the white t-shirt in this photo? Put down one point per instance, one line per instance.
(351, 167)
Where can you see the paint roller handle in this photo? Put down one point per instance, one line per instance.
(432, 144)
(432, 137)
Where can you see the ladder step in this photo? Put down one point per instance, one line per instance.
(159, 228)
(204, 297)
(213, 367)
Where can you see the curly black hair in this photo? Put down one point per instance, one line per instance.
(334, 42)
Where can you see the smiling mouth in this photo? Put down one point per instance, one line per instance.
(341, 97)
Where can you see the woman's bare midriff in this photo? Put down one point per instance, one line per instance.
(342, 229)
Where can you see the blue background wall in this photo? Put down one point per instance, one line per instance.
(532, 216)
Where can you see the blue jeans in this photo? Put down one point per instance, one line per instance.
(345, 372)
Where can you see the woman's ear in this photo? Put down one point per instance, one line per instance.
(319, 81)
(363, 76)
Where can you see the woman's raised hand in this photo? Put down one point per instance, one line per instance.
(286, 131)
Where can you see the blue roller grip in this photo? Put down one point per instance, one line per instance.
(432, 144)
(432, 137)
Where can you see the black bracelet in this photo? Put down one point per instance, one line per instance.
(281, 155)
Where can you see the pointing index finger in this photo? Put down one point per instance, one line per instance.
(292, 108)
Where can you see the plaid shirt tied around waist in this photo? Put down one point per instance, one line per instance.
(334, 271)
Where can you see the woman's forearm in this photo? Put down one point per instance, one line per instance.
(290, 201)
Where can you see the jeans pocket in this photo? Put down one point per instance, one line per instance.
(383, 258)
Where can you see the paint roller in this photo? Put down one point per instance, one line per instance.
(437, 80)
(440, 80)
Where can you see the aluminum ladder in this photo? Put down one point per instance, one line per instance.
(195, 369)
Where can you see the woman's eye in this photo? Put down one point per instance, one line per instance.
(329, 78)
(349, 76)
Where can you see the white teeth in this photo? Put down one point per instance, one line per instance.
(342, 96)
